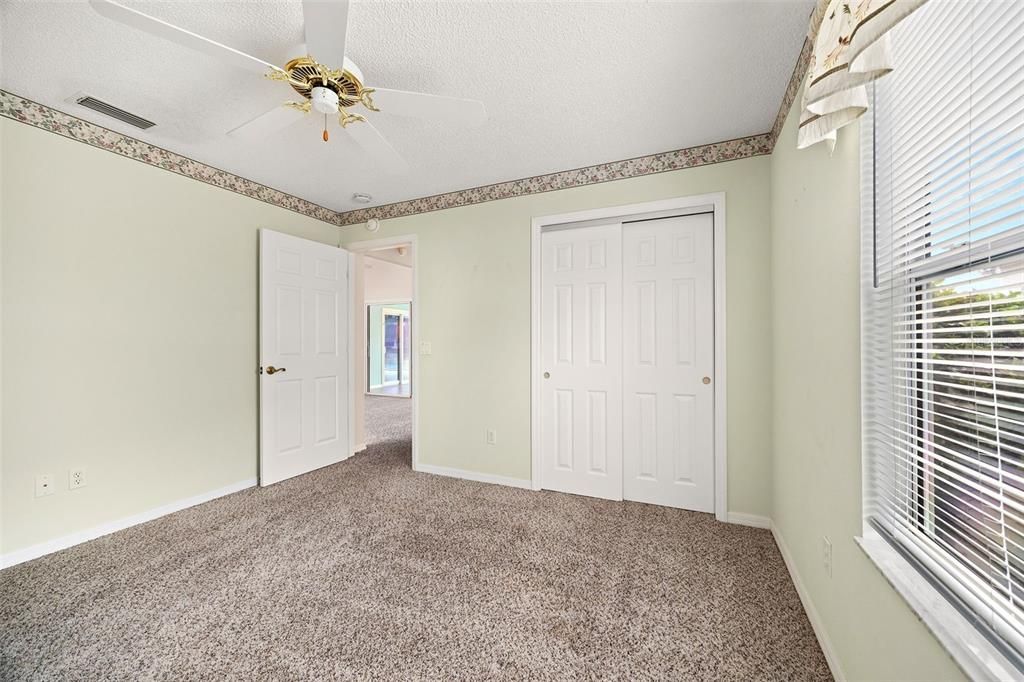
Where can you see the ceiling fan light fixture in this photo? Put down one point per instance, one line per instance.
(324, 100)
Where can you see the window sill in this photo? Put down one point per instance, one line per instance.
(972, 651)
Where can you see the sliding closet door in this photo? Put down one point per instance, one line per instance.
(581, 356)
(668, 356)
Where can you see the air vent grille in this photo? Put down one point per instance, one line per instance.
(114, 112)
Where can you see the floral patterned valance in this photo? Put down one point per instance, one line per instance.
(851, 50)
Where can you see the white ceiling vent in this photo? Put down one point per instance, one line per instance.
(90, 102)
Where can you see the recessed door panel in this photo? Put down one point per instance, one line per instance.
(684, 322)
(597, 431)
(597, 318)
(684, 431)
(645, 446)
(646, 330)
(289, 320)
(288, 416)
(326, 409)
(564, 427)
(326, 322)
(289, 262)
(563, 324)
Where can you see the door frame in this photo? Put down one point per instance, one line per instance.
(713, 203)
(364, 248)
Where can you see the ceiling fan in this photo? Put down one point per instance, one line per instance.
(330, 84)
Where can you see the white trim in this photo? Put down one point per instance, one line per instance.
(351, 285)
(716, 202)
(50, 546)
(364, 247)
(976, 655)
(752, 520)
(474, 476)
(359, 447)
(536, 443)
(812, 613)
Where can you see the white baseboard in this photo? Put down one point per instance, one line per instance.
(749, 520)
(474, 476)
(49, 547)
(359, 448)
(812, 613)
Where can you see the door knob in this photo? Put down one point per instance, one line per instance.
(706, 380)
(274, 370)
(547, 375)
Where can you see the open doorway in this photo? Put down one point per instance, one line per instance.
(385, 333)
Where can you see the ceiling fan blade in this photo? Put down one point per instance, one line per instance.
(264, 125)
(469, 112)
(162, 29)
(326, 28)
(374, 144)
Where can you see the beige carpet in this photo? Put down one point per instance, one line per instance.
(368, 570)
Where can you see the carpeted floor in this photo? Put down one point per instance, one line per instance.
(368, 570)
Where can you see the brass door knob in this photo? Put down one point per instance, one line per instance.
(274, 370)
(706, 380)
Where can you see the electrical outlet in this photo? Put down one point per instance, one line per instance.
(425, 348)
(76, 478)
(492, 437)
(826, 555)
(44, 485)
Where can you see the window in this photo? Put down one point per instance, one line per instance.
(943, 307)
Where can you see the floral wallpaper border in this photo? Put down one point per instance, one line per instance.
(32, 113)
(41, 116)
(603, 172)
(796, 80)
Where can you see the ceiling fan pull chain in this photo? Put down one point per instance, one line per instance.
(325, 128)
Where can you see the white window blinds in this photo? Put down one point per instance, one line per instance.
(943, 306)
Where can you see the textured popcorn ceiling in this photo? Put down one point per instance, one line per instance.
(565, 84)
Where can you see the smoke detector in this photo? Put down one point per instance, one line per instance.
(372, 225)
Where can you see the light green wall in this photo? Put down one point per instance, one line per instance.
(129, 318)
(478, 258)
(817, 459)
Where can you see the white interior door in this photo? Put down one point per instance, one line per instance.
(304, 356)
(581, 357)
(668, 353)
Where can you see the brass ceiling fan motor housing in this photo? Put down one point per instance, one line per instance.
(304, 74)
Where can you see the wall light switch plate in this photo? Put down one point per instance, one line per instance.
(44, 485)
(492, 437)
(826, 555)
(76, 478)
(425, 348)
